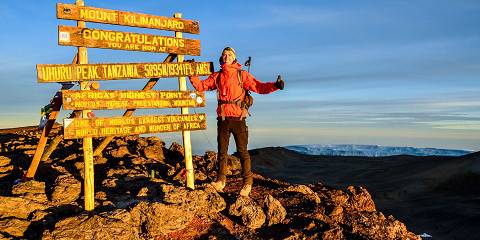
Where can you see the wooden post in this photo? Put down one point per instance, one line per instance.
(187, 144)
(42, 142)
(44, 137)
(88, 188)
(129, 112)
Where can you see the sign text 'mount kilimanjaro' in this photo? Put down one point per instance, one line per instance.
(100, 15)
(122, 126)
(130, 99)
(97, 38)
(112, 71)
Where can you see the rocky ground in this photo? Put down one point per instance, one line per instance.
(140, 194)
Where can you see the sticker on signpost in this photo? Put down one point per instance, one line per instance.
(199, 100)
(67, 122)
(64, 36)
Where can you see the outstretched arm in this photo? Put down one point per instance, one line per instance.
(255, 85)
(205, 85)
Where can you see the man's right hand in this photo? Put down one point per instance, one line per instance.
(280, 84)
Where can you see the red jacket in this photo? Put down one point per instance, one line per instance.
(229, 87)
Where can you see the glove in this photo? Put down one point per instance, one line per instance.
(280, 84)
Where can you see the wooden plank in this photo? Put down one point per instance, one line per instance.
(108, 16)
(123, 126)
(130, 99)
(88, 180)
(97, 38)
(187, 143)
(119, 71)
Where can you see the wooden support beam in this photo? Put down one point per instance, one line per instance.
(129, 112)
(187, 144)
(42, 142)
(44, 137)
(88, 184)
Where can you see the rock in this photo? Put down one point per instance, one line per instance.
(139, 161)
(117, 224)
(336, 215)
(31, 190)
(202, 201)
(177, 148)
(4, 161)
(275, 212)
(158, 219)
(19, 207)
(252, 214)
(373, 225)
(360, 199)
(100, 160)
(234, 165)
(120, 152)
(67, 189)
(6, 169)
(333, 233)
(14, 226)
(304, 190)
(154, 152)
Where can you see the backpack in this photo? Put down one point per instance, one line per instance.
(244, 103)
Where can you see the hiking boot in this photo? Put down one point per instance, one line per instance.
(246, 190)
(219, 185)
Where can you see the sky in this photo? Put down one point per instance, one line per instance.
(392, 73)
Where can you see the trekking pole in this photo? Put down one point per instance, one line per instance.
(248, 62)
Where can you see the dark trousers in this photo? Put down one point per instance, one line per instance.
(239, 130)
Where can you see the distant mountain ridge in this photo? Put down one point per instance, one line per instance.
(372, 150)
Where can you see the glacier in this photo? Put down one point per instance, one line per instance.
(372, 150)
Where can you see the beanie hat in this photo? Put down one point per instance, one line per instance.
(230, 49)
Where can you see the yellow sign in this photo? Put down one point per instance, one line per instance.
(113, 99)
(99, 15)
(121, 126)
(119, 71)
(97, 38)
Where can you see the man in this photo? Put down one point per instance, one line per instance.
(232, 85)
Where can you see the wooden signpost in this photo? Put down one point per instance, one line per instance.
(81, 100)
(97, 38)
(99, 15)
(122, 126)
(85, 99)
(119, 71)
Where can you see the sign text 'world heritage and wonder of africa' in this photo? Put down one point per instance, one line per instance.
(122, 126)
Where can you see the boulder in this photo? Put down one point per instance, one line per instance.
(202, 201)
(19, 207)
(252, 214)
(158, 219)
(31, 190)
(154, 152)
(4, 161)
(275, 212)
(14, 226)
(120, 152)
(117, 224)
(360, 199)
(67, 189)
(304, 190)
